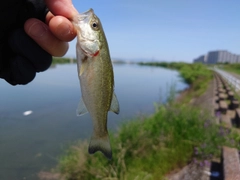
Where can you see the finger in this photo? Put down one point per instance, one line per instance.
(49, 16)
(41, 34)
(62, 7)
(62, 28)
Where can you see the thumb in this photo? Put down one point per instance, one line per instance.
(41, 34)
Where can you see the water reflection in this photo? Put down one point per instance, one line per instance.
(32, 143)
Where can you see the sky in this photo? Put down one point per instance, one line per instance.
(165, 30)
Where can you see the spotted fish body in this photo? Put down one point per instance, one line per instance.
(96, 76)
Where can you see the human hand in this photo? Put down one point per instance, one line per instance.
(22, 54)
(58, 30)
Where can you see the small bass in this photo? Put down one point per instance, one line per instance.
(95, 72)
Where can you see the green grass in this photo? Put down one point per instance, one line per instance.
(151, 148)
(235, 68)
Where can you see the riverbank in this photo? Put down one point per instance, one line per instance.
(177, 134)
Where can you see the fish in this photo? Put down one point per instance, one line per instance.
(95, 72)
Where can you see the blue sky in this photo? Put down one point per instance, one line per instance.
(170, 30)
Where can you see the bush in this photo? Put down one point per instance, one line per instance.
(235, 68)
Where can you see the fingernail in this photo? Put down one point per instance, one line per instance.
(63, 29)
(37, 30)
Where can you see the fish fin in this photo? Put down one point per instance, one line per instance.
(82, 68)
(114, 104)
(82, 109)
(100, 144)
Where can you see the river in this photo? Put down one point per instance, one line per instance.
(32, 143)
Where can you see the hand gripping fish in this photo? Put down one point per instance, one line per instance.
(95, 72)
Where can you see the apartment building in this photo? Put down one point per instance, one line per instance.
(214, 57)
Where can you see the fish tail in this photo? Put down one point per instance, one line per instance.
(100, 144)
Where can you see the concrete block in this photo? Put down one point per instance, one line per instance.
(223, 106)
(226, 120)
(231, 163)
(222, 96)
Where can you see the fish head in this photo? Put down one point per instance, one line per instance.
(88, 28)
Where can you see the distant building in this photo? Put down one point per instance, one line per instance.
(214, 57)
(238, 59)
(201, 59)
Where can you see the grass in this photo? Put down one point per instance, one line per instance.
(235, 68)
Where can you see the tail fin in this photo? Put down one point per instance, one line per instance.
(100, 144)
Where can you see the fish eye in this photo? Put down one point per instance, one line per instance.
(95, 26)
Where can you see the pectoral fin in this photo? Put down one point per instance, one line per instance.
(82, 68)
(81, 110)
(114, 104)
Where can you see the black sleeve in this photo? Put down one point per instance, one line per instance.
(20, 56)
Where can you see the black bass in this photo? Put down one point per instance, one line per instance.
(95, 72)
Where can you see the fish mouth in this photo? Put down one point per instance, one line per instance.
(79, 22)
(87, 13)
(85, 16)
